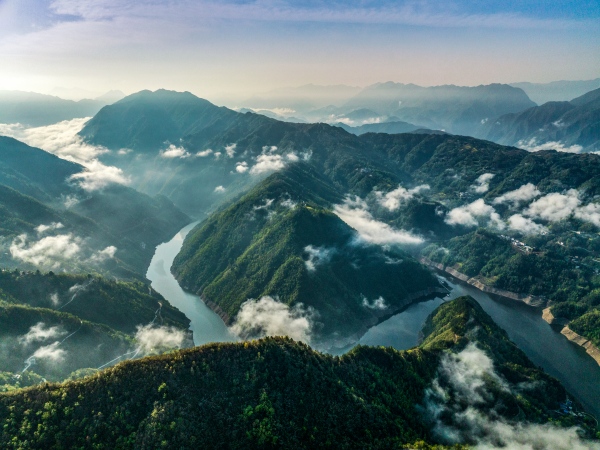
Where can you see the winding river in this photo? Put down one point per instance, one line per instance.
(547, 348)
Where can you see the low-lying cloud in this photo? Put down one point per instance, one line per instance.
(173, 152)
(40, 332)
(269, 317)
(269, 161)
(533, 146)
(230, 150)
(470, 215)
(482, 183)
(62, 140)
(525, 225)
(554, 207)
(316, 256)
(393, 199)
(48, 252)
(50, 352)
(378, 303)
(41, 229)
(524, 194)
(461, 407)
(354, 212)
(153, 339)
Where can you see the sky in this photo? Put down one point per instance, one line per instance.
(236, 48)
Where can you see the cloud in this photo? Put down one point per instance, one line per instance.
(589, 213)
(41, 229)
(220, 189)
(289, 203)
(39, 332)
(98, 176)
(355, 214)
(533, 146)
(316, 256)
(268, 161)
(461, 406)
(153, 339)
(269, 317)
(268, 202)
(204, 153)
(482, 183)
(230, 150)
(554, 207)
(103, 255)
(525, 225)
(62, 140)
(49, 251)
(50, 352)
(524, 194)
(393, 199)
(54, 299)
(241, 167)
(470, 214)
(175, 152)
(378, 303)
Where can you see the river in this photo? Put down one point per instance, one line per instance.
(547, 348)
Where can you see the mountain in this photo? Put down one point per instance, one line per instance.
(455, 109)
(53, 325)
(384, 127)
(282, 240)
(572, 126)
(32, 109)
(557, 91)
(37, 189)
(277, 393)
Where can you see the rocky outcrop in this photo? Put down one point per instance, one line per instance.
(590, 348)
(531, 300)
(549, 317)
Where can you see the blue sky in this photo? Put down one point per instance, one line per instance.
(224, 49)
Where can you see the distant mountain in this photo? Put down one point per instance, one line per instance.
(302, 99)
(573, 125)
(277, 393)
(385, 127)
(43, 193)
(455, 109)
(557, 91)
(32, 109)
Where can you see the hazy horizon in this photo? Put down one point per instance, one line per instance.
(235, 49)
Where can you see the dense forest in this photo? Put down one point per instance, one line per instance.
(278, 393)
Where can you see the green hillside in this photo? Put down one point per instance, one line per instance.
(277, 393)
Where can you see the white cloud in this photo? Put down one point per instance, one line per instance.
(533, 146)
(241, 167)
(554, 207)
(49, 251)
(103, 255)
(41, 229)
(524, 194)
(460, 405)
(230, 150)
(62, 140)
(316, 256)
(289, 203)
(267, 163)
(220, 189)
(268, 202)
(175, 152)
(217, 155)
(98, 176)
(378, 303)
(269, 317)
(50, 352)
(40, 332)
(355, 214)
(54, 299)
(393, 199)
(153, 339)
(470, 214)
(525, 225)
(482, 183)
(589, 213)
(204, 153)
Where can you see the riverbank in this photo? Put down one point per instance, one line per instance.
(590, 348)
(530, 300)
